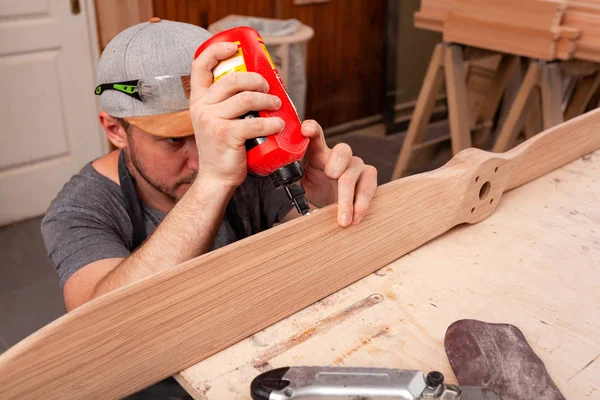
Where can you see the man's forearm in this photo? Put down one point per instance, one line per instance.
(186, 232)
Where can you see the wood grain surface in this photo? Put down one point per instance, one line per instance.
(534, 263)
(144, 332)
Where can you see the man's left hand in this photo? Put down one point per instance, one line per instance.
(336, 175)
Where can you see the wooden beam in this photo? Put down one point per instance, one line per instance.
(456, 90)
(492, 100)
(430, 89)
(490, 105)
(144, 332)
(551, 89)
(514, 121)
(534, 122)
(541, 29)
(584, 91)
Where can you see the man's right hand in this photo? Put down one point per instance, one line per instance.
(215, 110)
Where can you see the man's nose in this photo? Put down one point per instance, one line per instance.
(192, 153)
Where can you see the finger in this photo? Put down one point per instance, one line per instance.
(339, 158)
(234, 83)
(243, 129)
(364, 192)
(201, 76)
(245, 102)
(346, 188)
(318, 150)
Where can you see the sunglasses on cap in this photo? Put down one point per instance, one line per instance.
(156, 92)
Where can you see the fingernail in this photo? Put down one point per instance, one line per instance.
(356, 219)
(345, 219)
(277, 102)
(281, 124)
(231, 46)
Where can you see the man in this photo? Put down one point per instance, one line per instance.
(175, 190)
(177, 186)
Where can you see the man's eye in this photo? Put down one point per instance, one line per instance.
(174, 140)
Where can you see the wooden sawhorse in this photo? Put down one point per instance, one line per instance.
(448, 62)
(538, 104)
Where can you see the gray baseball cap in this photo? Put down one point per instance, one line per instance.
(145, 52)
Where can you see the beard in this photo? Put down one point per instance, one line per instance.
(169, 191)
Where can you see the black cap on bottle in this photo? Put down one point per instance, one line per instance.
(289, 177)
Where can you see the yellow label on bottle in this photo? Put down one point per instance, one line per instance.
(235, 63)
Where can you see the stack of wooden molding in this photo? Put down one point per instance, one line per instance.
(585, 15)
(432, 14)
(541, 29)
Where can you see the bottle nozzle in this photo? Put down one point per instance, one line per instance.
(296, 193)
(289, 177)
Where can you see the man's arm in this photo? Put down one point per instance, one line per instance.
(190, 227)
(187, 231)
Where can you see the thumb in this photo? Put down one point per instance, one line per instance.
(202, 77)
(318, 151)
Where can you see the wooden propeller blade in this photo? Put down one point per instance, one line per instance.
(142, 333)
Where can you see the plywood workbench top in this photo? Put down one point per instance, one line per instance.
(534, 263)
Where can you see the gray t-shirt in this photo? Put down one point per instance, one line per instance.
(88, 220)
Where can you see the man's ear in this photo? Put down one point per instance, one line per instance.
(113, 129)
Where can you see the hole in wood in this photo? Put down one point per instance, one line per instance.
(377, 298)
(476, 179)
(496, 170)
(472, 210)
(485, 189)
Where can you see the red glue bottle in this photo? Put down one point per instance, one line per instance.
(278, 156)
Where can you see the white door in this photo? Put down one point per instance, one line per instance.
(48, 125)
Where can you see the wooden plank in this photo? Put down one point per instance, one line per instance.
(573, 30)
(459, 29)
(551, 88)
(494, 96)
(144, 332)
(425, 103)
(526, 16)
(548, 285)
(481, 75)
(456, 89)
(585, 89)
(534, 122)
(425, 21)
(512, 26)
(514, 121)
(490, 106)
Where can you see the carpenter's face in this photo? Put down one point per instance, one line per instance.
(168, 165)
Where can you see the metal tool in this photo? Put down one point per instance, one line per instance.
(336, 383)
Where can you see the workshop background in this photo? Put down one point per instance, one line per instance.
(365, 66)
